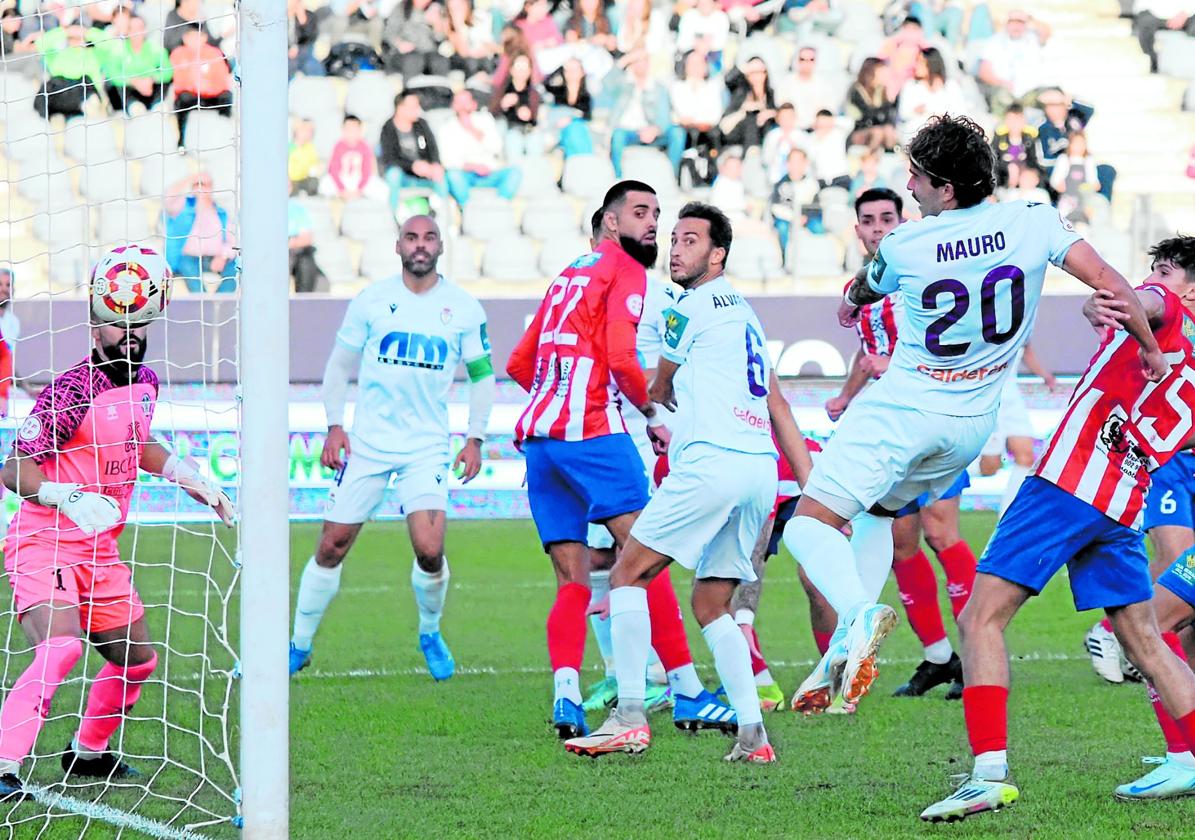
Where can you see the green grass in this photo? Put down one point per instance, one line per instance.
(379, 751)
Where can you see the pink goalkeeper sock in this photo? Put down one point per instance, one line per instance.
(28, 703)
(112, 695)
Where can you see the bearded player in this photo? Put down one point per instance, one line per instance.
(578, 362)
(1082, 509)
(408, 334)
(75, 465)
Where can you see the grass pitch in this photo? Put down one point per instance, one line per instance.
(380, 751)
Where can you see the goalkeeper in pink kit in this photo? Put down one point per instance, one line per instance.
(75, 465)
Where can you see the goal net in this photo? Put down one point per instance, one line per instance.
(105, 143)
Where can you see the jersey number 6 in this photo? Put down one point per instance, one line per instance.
(756, 372)
(990, 328)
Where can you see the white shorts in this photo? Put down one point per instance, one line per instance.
(599, 535)
(421, 484)
(887, 453)
(708, 512)
(1012, 420)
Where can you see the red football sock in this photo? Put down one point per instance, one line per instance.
(758, 663)
(918, 587)
(985, 708)
(958, 561)
(667, 625)
(1106, 623)
(566, 626)
(1186, 725)
(1176, 740)
(822, 640)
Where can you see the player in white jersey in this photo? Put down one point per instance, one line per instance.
(708, 511)
(649, 340)
(970, 274)
(408, 333)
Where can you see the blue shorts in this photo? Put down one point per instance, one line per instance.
(1180, 577)
(960, 484)
(571, 483)
(1046, 528)
(1171, 496)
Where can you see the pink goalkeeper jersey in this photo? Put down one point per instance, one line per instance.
(85, 429)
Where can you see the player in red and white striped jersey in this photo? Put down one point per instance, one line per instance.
(1082, 509)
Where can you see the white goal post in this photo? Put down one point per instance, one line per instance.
(264, 347)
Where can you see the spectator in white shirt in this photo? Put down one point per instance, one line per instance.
(471, 152)
(928, 93)
(827, 152)
(697, 101)
(806, 90)
(794, 200)
(1155, 15)
(704, 28)
(1011, 66)
(781, 140)
(729, 193)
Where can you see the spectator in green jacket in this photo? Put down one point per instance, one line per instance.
(137, 68)
(72, 69)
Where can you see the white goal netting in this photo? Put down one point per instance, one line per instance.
(93, 100)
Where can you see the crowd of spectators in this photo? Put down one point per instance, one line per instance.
(767, 104)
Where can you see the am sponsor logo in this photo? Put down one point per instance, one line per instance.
(413, 350)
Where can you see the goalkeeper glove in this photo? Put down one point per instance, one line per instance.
(93, 513)
(185, 475)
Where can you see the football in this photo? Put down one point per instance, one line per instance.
(129, 284)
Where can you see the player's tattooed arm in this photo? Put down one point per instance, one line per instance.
(858, 294)
(787, 433)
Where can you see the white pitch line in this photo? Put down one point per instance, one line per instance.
(111, 816)
(489, 670)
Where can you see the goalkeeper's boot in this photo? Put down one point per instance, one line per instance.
(973, 796)
(1104, 648)
(771, 698)
(931, 675)
(299, 659)
(11, 789)
(657, 699)
(1170, 780)
(106, 765)
(569, 719)
(704, 711)
(440, 663)
(615, 735)
(867, 632)
(602, 695)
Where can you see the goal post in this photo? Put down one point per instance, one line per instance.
(263, 351)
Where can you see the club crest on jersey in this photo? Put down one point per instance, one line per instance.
(1112, 435)
(587, 260)
(413, 350)
(446, 316)
(30, 429)
(674, 327)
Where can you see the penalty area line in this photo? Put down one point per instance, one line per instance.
(108, 814)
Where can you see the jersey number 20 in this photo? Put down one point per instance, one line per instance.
(990, 327)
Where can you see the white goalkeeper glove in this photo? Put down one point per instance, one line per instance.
(93, 513)
(185, 475)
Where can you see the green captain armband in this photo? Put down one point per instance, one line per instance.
(479, 369)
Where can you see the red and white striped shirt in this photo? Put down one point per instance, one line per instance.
(573, 394)
(1119, 427)
(877, 326)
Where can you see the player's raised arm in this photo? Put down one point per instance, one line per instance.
(787, 433)
(159, 460)
(1084, 263)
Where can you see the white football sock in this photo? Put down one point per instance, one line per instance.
(733, 661)
(991, 766)
(1183, 759)
(684, 681)
(826, 556)
(599, 588)
(871, 540)
(939, 652)
(317, 587)
(568, 684)
(430, 591)
(630, 631)
(1016, 477)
